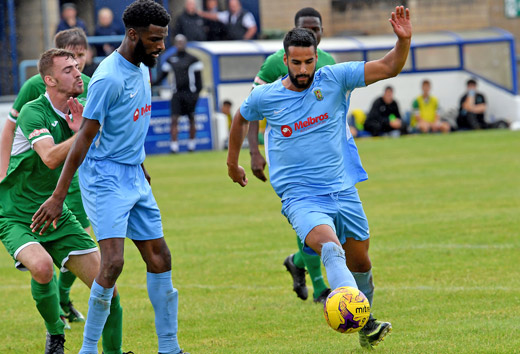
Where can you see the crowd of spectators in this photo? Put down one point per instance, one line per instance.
(424, 116)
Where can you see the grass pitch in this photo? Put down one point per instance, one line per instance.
(444, 217)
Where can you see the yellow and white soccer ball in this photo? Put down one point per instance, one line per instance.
(346, 310)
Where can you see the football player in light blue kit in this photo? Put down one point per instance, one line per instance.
(313, 161)
(114, 183)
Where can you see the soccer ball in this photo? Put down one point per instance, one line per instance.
(346, 310)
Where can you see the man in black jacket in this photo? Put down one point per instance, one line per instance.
(472, 108)
(240, 24)
(190, 24)
(186, 86)
(384, 116)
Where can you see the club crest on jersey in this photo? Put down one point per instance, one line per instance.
(318, 94)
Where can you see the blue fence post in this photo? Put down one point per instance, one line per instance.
(12, 42)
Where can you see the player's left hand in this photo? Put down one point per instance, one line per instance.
(48, 213)
(76, 110)
(401, 23)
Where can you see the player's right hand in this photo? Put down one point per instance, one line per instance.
(258, 166)
(238, 175)
(48, 213)
(76, 110)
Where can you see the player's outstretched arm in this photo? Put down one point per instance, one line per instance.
(393, 62)
(236, 138)
(50, 211)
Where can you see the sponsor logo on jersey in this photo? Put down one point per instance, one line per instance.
(144, 110)
(310, 121)
(305, 124)
(37, 132)
(286, 131)
(318, 94)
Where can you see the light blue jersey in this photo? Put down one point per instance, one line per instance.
(308, 144)
(119, 97)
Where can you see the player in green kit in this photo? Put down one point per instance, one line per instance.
(272, 69)
(44, 134)
(74, 40)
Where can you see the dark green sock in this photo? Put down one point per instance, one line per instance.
(47, 303)
(113, 331)
(298, 257)
(64, 284)
(313, 265)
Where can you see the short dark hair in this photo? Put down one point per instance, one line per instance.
(72, 37)
(226, 102)
(471, 82)
(47, 60)
(143, 13)
(389, 88)
(426, 81)
(306, 12)
(299, 37)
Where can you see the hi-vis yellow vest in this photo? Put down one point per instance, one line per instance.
(427, 109)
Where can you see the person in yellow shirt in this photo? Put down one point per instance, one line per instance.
(425, 115)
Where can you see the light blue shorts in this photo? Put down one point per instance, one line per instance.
(342, 211)
(119, 201)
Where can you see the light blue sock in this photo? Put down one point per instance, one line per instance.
(98, 311)
(333, 258)
(164, 300)
(365, 284)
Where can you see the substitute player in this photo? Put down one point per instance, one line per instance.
(114, 183)
(73, 39)
(314, 162)
(273, 69)
(44, 135)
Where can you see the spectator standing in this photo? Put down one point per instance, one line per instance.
(70, 19)
(426, 112)
(106, 27)
(215, 30)
(186, 86)
(384, 116)
(240, 24)
(472, 108)
(190, 24)
(90, 65)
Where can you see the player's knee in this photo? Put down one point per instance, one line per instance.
(112, 267)
(42, 271)
(359, 264)
(160, 262)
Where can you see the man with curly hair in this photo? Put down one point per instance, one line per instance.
(114, 183)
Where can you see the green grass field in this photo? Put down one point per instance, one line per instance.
(445, 226)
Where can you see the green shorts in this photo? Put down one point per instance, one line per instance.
(75, 204)
(69, 239)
